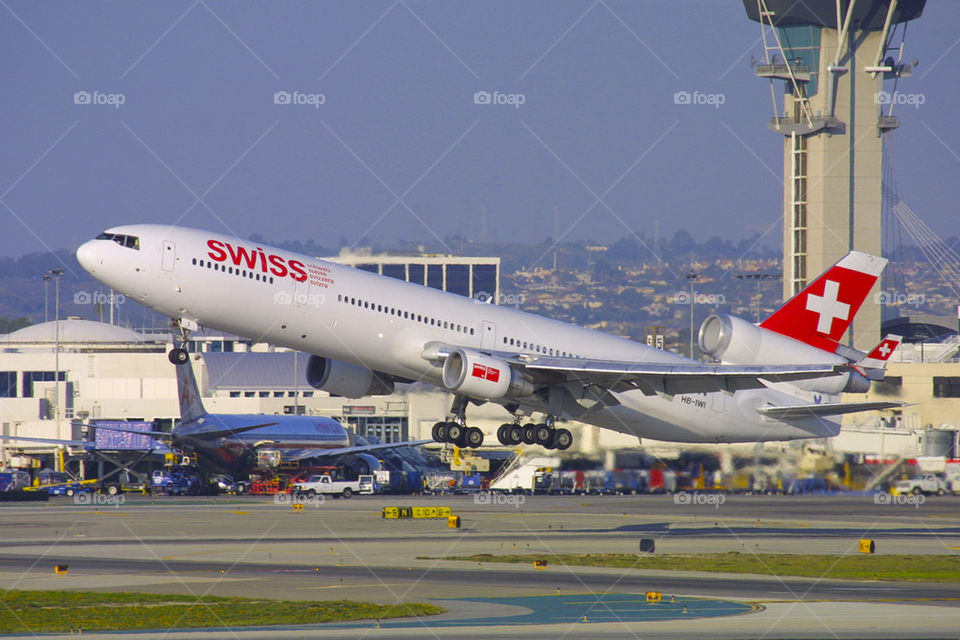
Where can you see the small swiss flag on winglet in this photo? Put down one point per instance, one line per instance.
(822, 312)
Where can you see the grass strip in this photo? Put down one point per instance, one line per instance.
(910, 568)
(64, 611)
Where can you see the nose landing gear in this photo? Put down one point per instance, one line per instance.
(179, 355)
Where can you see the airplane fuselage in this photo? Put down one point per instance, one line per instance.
(384, 324)
(237, 452)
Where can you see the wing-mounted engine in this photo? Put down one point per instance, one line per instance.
(733, 340)
(478, 375)
(345, 379)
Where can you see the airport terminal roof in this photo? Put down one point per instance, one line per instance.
(73, 330)
(248, 371)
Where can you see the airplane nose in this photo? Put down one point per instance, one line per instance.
(87, 257)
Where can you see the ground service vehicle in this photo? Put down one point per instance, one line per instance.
(926, 484)
(326, 485)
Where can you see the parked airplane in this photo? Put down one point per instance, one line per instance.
(231, 442)
(780, 380)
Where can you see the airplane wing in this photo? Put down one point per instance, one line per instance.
(304, 454)
(68, 443)
(806, 410)
(669, 378)
(139, 433)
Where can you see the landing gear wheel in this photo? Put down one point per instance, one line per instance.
(439, 432)
(562, 440)
(474, 437)
(544, 435)
(454, 433)
(503, 434)
(178, 356)
(530, 433)
(514, 434)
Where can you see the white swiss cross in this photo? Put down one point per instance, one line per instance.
(885, 349)
(828, 306)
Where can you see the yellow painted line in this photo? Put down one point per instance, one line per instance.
(241, 513)
(358, 586)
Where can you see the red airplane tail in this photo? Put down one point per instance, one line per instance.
(822, 312)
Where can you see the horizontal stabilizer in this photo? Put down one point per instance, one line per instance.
(807, 410)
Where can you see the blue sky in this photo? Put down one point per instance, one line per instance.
(388, 140)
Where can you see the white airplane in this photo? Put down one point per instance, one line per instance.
(780, 380)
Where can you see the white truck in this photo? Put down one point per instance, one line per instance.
(326, 485)
(926, 484)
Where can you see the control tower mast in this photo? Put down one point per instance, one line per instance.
(833, 57)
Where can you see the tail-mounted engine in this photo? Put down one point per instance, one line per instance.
(733, 340)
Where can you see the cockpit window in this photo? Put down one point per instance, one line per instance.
(130, 242)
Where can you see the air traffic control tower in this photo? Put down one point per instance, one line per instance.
(834, 58)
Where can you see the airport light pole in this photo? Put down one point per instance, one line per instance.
(691, 278)
(46, 296)
(757, 278)
(55, 275)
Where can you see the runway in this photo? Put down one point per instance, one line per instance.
(343, 549)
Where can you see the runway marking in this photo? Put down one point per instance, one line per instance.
(241, 513)
(358, 586)
(834, 600)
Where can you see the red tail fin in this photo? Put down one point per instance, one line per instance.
(822, 312)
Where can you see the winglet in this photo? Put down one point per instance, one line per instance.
(822, 312)
(878, 358)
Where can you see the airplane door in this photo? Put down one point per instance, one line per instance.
(718, 401)
(302, 294)
(488, 335)
(169, 255)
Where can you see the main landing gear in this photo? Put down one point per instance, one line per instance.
(544, 434)
(456, 431)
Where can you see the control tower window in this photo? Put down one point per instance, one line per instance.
(130, 242)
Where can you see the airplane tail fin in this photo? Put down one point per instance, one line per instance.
(821, 313)
(188, 392)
